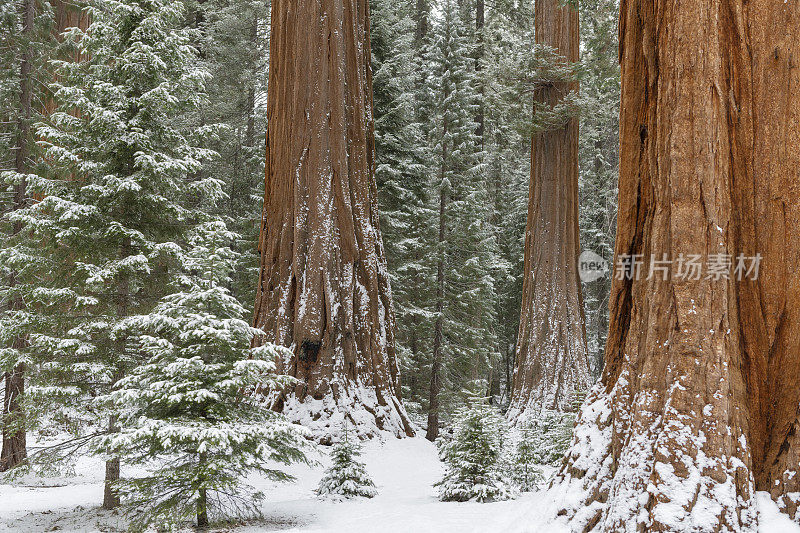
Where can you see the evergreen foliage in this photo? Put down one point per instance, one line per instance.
(193, 415)
(525, 460)
(548, 433)
(118, 279)
(473, 458)
(467, 248)
(117, 192)
(401, 168)
(235, 49)
(346, 477)
(599, 159)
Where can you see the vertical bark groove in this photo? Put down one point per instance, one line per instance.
(698, 404)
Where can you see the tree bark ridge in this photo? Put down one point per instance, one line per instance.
(698, 404)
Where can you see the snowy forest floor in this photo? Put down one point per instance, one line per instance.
(404, 471)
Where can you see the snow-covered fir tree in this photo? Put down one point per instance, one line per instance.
(235, 46)
(473, 457)
(548, 433)
(9, 82)
(507, 38)
(464, 249)
(347, 477)
(523, 460)
(17, 52)
(29, 32)
(599, 159)
(119, 188)
(401, 169)
(193, 416)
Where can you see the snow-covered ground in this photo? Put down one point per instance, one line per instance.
(404, 471)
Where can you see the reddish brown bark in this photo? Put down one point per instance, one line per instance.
(552, 359)
(698, 404)
(324, 289)
(14, 439)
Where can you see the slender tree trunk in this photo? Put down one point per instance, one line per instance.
(202, 499)
(14, 438)
(421, 14)
(480, 20)
(698, 404)
(436, 364)
(110, 496)
(324, 288)
(250, 136)
(551, 360)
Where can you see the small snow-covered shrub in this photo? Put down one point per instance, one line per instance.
(347, 477)
(474, 457)
(550, 434)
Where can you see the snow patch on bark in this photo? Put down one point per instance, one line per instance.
(357, 406)
(662, 477)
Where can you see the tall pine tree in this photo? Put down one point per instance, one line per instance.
(121, 170)
(465, 246)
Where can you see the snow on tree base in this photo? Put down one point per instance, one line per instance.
(359, 409)
(641, 489)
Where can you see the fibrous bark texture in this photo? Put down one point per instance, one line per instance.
(552, 360)
(324, 288)
(698, 404)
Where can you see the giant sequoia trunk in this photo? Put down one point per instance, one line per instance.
(324, 289)
(552, 360)
(698, 403)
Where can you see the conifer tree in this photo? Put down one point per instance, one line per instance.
(473, 457)
(465, 247)
(524, 460)
(193, 409)
(598, 150)
(31, 37)
(16, 87)
(120, 173)
(508, 39)
(346, 477)
(235, 43)
(402, 158)
(551, 346)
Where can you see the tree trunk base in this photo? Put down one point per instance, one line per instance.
(110, 496)
(14, 449)
(660, 476)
